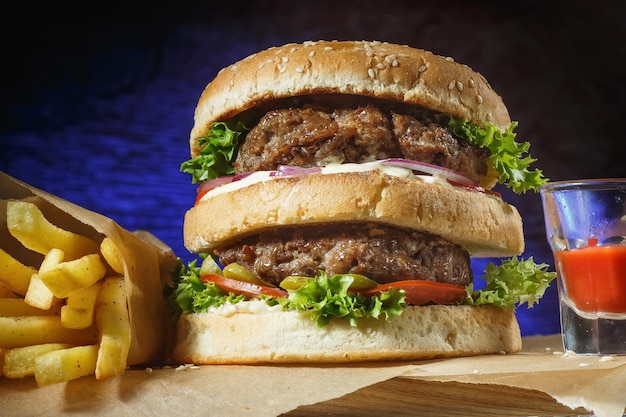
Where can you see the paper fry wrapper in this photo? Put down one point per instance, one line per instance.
(147, 263)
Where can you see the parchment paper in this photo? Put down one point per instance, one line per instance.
(539, 381)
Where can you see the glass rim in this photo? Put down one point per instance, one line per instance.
(583, 184)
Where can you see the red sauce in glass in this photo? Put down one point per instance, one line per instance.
(595, 277)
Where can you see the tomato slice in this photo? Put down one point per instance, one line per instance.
(420, 292)
(242, 287)
(201, 194)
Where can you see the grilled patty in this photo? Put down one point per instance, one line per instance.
(382, 253)
(312, 136)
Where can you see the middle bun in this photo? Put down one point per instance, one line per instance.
(484, 225)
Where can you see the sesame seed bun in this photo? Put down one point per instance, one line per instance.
(373, 69)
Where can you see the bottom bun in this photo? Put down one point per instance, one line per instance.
(291, 337)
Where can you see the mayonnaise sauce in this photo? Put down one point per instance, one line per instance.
(335, 168)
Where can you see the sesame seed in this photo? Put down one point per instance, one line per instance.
(282, 68)
(472, 84)
(285, 59)
(299, 69)
(312, 54)
(380, 65)
(292, 50)
(451, 85)
(328, 48)
(371, 73)
(459, 85)
(449, 59)
(421, 68)
(479, 99)
(395, 63)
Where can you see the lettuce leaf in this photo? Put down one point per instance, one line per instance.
(218, 150)
(327, 297)
(513, 283)
(509, 158)
(192, 295)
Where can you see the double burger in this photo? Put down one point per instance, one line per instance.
(343, 187)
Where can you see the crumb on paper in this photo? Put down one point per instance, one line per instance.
(186, 366)
(584, 364)
(149, 370)
(569, 353)
(606, 358)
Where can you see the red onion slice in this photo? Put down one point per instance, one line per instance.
(447, 173)
(216, 182)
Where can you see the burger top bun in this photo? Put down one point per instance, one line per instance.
(375, 69)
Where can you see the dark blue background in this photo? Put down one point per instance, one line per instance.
(97, 104)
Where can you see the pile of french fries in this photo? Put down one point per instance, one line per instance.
(67, 317)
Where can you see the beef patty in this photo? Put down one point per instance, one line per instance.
(382, 253)
(307, 137)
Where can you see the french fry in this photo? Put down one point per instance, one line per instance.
(38, 294)
(65, 364)
(14, 275)
(114, 326)
(36, 330)
(111, 254)
(15, 307)
(6, 292)
(28, 225)
(68, 277)
(3, 352)
(20, 362)
(78, 311)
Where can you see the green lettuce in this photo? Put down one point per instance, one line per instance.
(509, 158)
(324, 298)
(218, 150)
(191, 295)
(513, 283)
(327, 297)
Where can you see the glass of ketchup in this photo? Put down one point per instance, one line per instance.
(586, 229)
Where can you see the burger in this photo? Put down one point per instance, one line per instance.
(343, 188)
